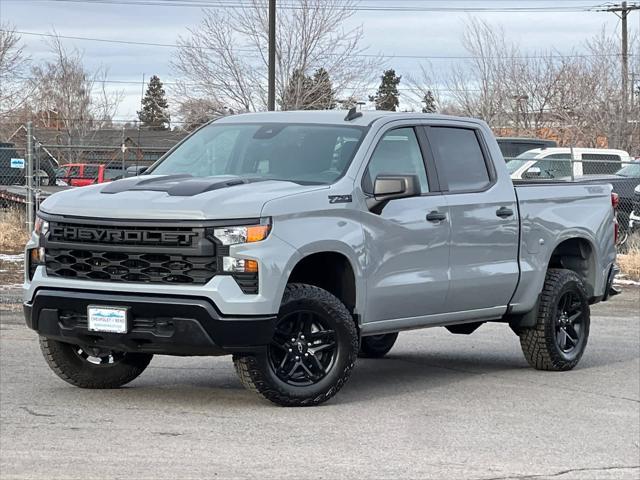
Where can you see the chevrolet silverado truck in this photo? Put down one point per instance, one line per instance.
(297, 241)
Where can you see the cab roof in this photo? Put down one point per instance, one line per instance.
(331, 117)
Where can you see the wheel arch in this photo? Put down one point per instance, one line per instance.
(579, 255)
(330, 270)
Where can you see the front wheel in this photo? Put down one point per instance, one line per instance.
(92, 367)
(312, 352)
(559, 338)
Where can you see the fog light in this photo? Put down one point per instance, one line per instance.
(239, 265)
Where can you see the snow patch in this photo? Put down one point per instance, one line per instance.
(4, 257)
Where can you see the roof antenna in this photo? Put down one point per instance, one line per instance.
(352, 115)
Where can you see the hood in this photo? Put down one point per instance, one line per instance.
(173, 197)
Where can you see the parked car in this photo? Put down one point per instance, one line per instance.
(550, 163)
(513, 146)
(634, 217)
(295, 241)
(83, 174)
(17, 176)
(624, 182)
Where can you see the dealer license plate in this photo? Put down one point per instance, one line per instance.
(107, 319)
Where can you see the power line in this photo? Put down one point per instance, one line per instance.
(214, 85)
(290, 5)
(359, 55)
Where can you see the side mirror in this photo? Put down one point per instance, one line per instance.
(391, 187)
(533, 172)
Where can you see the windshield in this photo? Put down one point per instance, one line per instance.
(631, 170)
(304, 153)
(513, 165)
(530, 154)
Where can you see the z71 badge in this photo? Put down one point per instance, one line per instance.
(340, 199)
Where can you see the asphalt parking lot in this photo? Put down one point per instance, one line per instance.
(440, 406)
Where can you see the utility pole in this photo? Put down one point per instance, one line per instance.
(271, 96)
(622, 11)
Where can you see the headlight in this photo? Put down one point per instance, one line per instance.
(35, 258)
(235, 235)
(41, 227)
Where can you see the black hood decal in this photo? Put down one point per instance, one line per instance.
(176, 185)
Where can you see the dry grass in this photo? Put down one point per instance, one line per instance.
(630, 261)
(13, 233)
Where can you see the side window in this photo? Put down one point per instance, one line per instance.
(74, 171)
(459, 158)
(90, 172)
(600, 163)
(397, 153)
(555, 166)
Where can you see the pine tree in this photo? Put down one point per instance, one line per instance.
(388, 97)
(297, 88)
(309, 93)
(155, 113)
(429, 101)
(322, 94)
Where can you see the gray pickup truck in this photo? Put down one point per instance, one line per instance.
(297, 241)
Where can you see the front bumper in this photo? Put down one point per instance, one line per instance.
(158, 324)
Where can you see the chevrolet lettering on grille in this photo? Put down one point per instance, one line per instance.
(103, 235)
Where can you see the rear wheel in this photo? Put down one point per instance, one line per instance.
(377, 346)
(560, 335)
(312, 352)
(92, 367)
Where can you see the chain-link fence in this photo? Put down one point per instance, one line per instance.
(37, 162)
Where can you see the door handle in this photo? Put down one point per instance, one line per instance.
(436, 216)
(504, 212)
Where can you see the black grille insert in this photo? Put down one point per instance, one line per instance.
(130, 267)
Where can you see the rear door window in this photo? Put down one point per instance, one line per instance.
(459, 158)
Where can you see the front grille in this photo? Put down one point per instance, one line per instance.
(636, 203)
(138, 254)
(129, 266)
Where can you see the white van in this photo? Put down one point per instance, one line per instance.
(547, 163)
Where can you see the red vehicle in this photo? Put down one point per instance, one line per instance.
(83, 174)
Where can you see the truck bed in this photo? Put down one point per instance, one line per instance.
(549, 207)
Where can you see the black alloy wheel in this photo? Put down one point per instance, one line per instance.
(312, 352)
(303, 349)
(559, 337)
(569, 327)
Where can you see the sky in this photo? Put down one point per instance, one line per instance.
(389, 32)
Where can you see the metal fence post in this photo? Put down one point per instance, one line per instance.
(573, 177)
(29, 179)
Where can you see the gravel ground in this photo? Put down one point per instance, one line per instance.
(439, 406)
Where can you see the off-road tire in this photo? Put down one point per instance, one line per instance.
(255, 371)
(377, 346)
(539, 342)
(70, 367)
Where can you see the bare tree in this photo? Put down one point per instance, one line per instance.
(13, 64)
(224, 59)
(424, 85)
(198, 111)
(69, 98)
(574, 98)
(485, 95)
